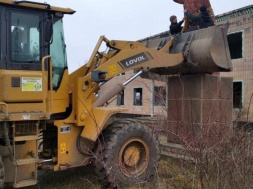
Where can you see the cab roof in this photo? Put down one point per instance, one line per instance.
(37, 5)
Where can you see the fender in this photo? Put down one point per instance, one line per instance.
(96, 122)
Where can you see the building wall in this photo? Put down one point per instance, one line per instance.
(145, 85)
(241, 20)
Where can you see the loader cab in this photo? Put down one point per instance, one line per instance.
(29, 37)
(28, 34)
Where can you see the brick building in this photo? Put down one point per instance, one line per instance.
(240, 39)
(141, 96)
(148, 97)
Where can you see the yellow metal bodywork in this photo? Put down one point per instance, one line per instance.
(37, 6)
(61, 97)
(27, 100)
(96, 121)
(27, 92)
(68, 155)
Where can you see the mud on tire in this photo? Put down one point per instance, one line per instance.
(127, 153)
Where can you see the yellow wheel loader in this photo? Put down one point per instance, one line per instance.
(50, 119)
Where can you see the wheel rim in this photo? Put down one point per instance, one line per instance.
(133, 157)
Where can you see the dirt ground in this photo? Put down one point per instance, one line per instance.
(77, 178)
(85, 178)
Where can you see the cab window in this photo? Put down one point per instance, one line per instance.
(58, 52)
(24, 35)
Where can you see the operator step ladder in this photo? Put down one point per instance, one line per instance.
(25, 151)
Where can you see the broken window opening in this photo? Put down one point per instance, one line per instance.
(235, 43)
(137, 97)
(237, 94)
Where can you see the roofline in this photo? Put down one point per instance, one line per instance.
(36, 5)
(234, 13)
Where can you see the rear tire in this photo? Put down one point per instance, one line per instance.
(127, 153)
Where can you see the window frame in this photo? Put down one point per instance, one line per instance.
(134, 95)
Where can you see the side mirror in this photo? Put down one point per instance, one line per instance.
(48, 29)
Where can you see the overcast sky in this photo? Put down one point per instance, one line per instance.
(121, 20)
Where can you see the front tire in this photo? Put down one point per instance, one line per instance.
(127, 153)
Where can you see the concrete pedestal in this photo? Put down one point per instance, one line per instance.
(196, 102)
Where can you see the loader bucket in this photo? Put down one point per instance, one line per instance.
(205, 51)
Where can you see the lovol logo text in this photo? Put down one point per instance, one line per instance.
(135, 60)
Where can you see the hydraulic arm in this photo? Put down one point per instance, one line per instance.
(193, 52)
